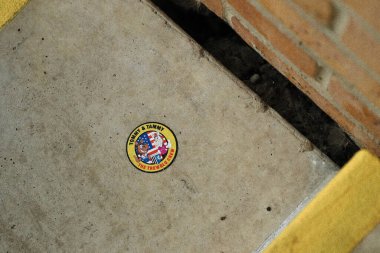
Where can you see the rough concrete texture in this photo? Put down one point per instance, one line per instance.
(371, 243)
(76, 79)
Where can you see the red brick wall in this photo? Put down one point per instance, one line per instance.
(330, 49)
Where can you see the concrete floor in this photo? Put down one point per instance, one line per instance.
(371, 243)
(76, 79)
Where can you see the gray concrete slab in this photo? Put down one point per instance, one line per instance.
(76, 79)
(371, 243)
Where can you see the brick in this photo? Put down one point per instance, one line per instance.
(368, 10)
(325, 48)
(359, 132)
(354, 106)
(279, 40)
(363, 44)
(322, 10)
(215, 6)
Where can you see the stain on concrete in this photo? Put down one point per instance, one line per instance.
(188, 185)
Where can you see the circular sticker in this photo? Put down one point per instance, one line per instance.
(152, 147)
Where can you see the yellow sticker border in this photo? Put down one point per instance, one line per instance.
(172, 152)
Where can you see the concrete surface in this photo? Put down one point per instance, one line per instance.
(342, 215)
(370, 244)
(76, 79)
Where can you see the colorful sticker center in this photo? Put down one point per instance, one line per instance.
(152, 147)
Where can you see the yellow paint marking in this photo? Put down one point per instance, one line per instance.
(9, 8)
(341, 215)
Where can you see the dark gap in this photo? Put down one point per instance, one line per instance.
(216, 36)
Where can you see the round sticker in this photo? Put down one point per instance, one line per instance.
(152, 147)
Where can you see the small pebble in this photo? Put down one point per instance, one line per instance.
(254, 78)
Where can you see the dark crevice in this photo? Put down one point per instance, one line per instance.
(222, 42)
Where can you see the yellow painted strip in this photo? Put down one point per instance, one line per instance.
(9, 8)
(341, 215)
